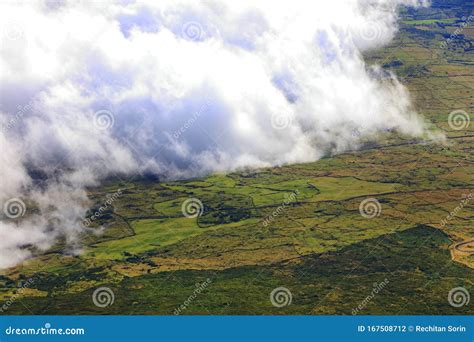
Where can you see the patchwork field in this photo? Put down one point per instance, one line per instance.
(395, 215)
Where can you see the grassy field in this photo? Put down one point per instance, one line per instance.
(301, 226)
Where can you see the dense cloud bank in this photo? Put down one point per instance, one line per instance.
(179, 88)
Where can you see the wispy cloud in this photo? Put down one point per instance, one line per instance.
(108, 84)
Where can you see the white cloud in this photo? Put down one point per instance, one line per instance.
(266, 82)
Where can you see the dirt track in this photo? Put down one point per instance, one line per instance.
(458, 246)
